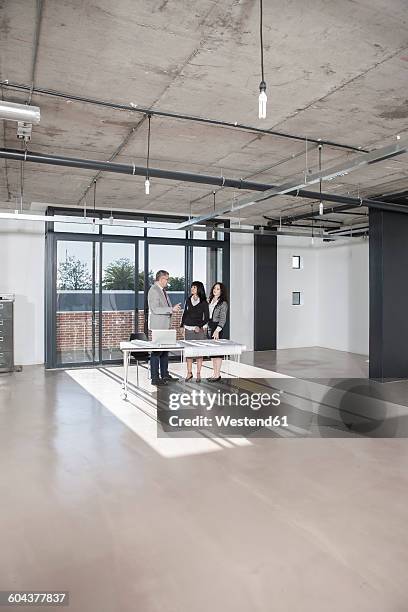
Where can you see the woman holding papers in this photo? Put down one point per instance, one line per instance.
(218, 309)
(194, 320)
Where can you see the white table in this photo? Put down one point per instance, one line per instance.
(186, 348)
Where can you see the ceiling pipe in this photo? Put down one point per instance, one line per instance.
(139, 109)
(317, 214)
(354, 214)
(305, 225)
(311, 215)
(189, 177)
(352, 231)
(10, 111)
(294, 185)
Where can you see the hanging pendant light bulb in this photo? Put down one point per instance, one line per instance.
(321, 208)
(262, 86)
(147, 181)
(262, 100)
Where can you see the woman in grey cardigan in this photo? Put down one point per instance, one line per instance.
(218, 307)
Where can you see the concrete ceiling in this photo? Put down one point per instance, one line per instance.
(335, 71)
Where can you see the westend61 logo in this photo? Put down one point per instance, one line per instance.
(207, 400)
(227, 411)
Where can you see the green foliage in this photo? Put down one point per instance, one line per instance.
(119, 274)
(141, 280)
(73, 274)
(175, 283)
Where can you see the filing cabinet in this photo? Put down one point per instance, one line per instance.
(6, 334)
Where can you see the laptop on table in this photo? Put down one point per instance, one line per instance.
(164, 337)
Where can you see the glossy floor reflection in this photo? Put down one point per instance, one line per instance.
(90, 506)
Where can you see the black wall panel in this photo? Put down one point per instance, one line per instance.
(265, 292)
(388, 295)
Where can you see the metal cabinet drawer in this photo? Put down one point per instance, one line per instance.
(6, 342)
(6, 360)
(6, 327)
(6, 310)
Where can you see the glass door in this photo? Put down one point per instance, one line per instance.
(76, 321)
(98, 299)
(120, 285)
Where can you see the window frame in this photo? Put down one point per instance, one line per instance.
(99, 238)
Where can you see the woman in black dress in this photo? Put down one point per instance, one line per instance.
(218, 309)
(194, 320)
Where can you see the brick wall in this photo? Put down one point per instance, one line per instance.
(74, 329)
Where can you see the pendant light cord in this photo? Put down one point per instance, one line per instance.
(320, 172)
(94, 196)
(312, 207)
(148, 147)
(261, 37)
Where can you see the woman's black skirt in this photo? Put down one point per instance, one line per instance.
(212, 326)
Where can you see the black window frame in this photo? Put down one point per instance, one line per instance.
(52, 237)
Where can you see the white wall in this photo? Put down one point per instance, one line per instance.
(343, 296)
(242, 289)
(334, 282)
(22, 273)
(296, 325)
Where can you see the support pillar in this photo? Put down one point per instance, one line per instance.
(388, 295)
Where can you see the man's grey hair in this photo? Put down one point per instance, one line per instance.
(161, 273)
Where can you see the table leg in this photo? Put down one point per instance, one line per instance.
(126, 355)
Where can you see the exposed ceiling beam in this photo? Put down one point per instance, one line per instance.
(350, 165)
(139, 109)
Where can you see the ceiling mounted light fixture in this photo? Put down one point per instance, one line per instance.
(147, 181)
(262, 86)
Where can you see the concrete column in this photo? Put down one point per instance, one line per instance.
(265, 292)
(388, 295)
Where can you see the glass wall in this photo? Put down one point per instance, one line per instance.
(98, 283)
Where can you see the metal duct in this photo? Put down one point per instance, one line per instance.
(10, 111)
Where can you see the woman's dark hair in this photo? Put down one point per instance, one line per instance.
(223, 294)
(200, 290)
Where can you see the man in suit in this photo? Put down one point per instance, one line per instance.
(160, 311)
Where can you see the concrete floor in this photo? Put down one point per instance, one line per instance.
(310, 362)
(278, 525)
